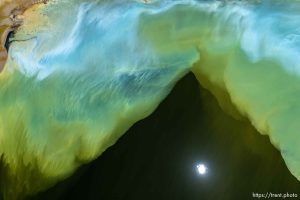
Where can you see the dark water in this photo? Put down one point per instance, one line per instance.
(157, 157)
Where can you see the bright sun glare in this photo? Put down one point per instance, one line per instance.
(202, 169)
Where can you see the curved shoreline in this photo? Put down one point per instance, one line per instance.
(10, 19)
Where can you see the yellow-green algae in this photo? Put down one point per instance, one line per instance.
(80, 74)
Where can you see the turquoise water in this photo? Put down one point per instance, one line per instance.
(80, 74)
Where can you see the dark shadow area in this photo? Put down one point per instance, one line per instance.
(156, 159)
(7, 41)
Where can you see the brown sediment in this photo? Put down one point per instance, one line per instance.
(10, 19)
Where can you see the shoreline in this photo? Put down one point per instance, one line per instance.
(10, 19)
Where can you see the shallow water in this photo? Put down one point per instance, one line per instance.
(7, 8)
(71, 94)
(157, 157)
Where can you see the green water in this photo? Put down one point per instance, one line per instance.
(157, 157)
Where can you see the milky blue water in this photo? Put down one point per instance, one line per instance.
(81, 73)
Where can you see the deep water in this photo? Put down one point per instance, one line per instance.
(80, 73)
(156, 158)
